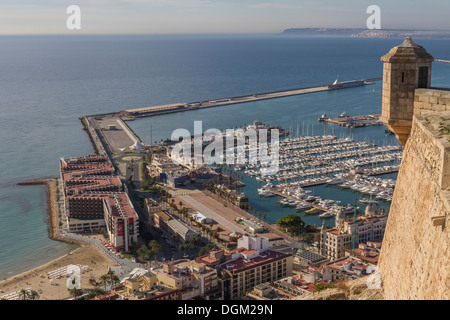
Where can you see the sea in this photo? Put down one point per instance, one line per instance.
(48, 82)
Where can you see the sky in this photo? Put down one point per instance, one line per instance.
(215, 16)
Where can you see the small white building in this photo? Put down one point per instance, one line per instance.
(253, 243)
(200, 217)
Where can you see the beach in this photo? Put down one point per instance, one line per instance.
(91, 259)
(94, 264)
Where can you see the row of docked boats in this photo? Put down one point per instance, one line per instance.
(302, 200)
(266, 190)
(315, 160)
(382, 189)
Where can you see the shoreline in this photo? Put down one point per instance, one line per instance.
(53, 231)
(49, 287)
(84, 253)
(6, 281)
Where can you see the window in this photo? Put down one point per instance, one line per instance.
(423, 77)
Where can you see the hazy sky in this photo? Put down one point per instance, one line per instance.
(215, 16)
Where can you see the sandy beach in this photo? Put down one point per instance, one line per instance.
(38, 279)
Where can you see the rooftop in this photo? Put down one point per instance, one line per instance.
(241, 263)
(121, 206)
(76, 184)
(310, 256)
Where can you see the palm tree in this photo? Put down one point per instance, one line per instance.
(219, 229)
(187, 246)
(115, 279)
(75, 292)
(182, 248)
(143, 252)
(104, 279)
(155, 247)
(23, 294)
(33, 295)
(110, 275)
(195, 241)
(175, 237)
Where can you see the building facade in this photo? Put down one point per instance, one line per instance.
(94, 198)
(334, 242)
(252, 265)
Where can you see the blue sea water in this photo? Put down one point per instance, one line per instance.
(48, 82)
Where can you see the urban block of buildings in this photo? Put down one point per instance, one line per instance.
(251, 264)
(348, 233)
(94, 198)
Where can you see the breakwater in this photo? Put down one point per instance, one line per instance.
(130, 114)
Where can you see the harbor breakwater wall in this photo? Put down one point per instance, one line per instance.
(93, 136)
(196, 105)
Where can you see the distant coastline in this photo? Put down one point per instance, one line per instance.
(367, 33)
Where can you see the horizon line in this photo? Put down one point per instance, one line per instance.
(80, 32)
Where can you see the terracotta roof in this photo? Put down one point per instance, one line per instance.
(120, 204)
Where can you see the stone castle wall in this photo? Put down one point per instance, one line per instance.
(415, 257)
(431, 100)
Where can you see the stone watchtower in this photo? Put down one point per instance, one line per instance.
(406, 68)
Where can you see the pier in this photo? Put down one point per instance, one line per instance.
(353, 121)
(309, 203)
(130, 114)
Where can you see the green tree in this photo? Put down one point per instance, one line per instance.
(195, 241)
(23, 294)
(104, 279)
(187, 246)
(75, 292)
(219, 229)
(93, 294)
(34, 295)
(206, 249)
(292, 223)
(115, 279)
(143, 252)
(176, 238)
(110, 275)
(155, 247)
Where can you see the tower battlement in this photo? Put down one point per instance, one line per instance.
(405, 68)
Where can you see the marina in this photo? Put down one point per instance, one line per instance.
(313, 160)
(341, 163)
(304, 161)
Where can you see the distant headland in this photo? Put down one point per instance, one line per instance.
(367, 33)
